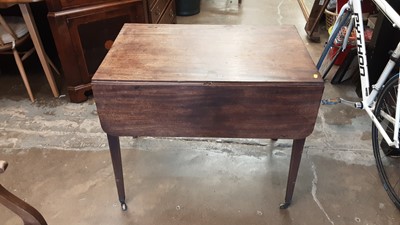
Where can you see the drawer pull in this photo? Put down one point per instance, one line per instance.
(108, 44)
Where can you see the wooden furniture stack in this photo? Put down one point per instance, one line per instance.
(84, 31)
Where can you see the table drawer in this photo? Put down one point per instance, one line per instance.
(169, 14)
(157, 10)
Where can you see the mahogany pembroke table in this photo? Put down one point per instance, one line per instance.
(228, 81)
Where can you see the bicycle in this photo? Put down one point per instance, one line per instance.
(379, 100)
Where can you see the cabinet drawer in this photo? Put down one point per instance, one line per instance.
(157, 10)
(170, 14)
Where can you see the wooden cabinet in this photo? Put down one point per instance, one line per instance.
(161, 11)
(83, 31)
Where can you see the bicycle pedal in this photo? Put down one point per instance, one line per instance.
(332, 101)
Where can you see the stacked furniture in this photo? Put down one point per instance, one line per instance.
(84, 31)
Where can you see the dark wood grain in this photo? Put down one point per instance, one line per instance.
(59, 5)
(157, 10)
(247, 110)
(231, 53)
(169, 14)
(19, 1)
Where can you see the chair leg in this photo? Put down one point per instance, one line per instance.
(23, 74)
(52, 65)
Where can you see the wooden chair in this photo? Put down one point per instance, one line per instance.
(28, 214)
(14, 32)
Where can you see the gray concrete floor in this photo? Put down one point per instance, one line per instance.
(59, 159)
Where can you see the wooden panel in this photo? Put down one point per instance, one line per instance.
(157, 10)
(91, 39)
(20, 1)
(169, 15)
(202, 53)
(274, 110)
(58, 5)
(83, 37)
(312, 24)
(151, 3)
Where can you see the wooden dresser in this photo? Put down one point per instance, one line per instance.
(83, 32)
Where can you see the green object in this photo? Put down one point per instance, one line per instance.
(187, 7)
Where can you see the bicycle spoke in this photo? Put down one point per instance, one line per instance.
(386, 156)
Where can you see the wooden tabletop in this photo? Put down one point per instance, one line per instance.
(214, 53)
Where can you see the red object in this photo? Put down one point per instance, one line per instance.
(339, 5)
(367, 6)
(342, 55)
(338, 43)
(351, 44)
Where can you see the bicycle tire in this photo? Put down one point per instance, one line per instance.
(388, 166)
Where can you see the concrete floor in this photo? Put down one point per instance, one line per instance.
(59, 159)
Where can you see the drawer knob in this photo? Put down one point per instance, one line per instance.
(108, 44)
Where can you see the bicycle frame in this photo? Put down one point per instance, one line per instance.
(368, 97)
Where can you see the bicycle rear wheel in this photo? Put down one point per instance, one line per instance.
(387, 158)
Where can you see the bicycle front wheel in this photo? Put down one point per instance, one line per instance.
(387, 158)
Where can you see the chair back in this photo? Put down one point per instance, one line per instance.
(13, 31)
